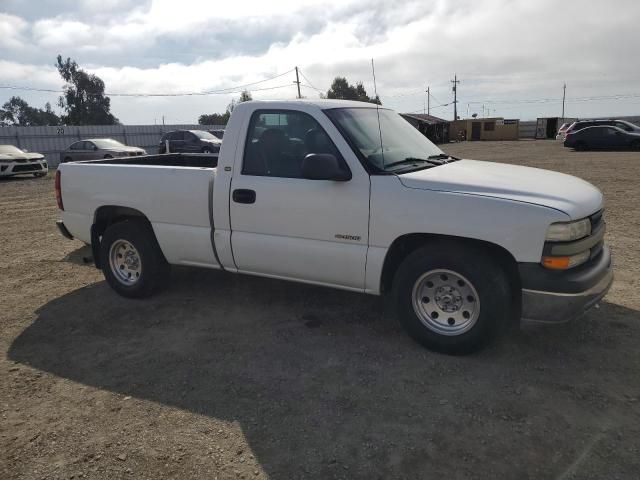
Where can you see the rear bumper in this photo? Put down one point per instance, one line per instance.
(571, 293)
(63, 230)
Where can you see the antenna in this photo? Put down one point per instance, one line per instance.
(375, 90)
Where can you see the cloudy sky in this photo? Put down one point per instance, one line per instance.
(511, 56)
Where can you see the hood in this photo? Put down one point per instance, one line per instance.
(559, 191)
(211, 140)
(126, 149)
(21, 156)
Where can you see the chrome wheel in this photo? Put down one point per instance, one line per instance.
(446, 302)
(125, 262)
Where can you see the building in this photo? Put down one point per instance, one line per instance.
(434, 128)
(547, 127)
(484, 129)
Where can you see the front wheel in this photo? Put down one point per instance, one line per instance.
(452, 299)
(131, 259)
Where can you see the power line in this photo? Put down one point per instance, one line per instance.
(224, 91)
(309, 81)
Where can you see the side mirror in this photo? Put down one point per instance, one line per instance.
(323, 166)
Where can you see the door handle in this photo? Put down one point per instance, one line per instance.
(244, 196)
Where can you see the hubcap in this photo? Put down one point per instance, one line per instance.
(446, 302)
(125, 263)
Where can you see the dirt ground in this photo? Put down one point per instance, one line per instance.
(227, 376)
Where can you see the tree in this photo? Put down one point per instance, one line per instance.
(341, 89)
(83, 100)
(214, 118)
(18, 112)
(223, 118)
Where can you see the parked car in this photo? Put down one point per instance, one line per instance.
(217, 133)
(622, 124)
(603, 137)
(94, 148)
(311, 191)
(15, 161)
(562, 130)
(189, 141)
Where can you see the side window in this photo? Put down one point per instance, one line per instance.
(623, 126)
(76, 146)
(179, 135)
(190, 137)
(278, 141)
(88, 146)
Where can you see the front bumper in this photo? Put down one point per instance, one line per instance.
(572, 293)
(9, 169)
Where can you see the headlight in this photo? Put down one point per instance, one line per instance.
(566, 232)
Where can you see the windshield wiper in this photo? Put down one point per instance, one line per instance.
(442, 156)
(413, 160)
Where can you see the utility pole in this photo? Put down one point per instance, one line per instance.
(428, 102)
(298, 83)
(455, 82)
(564, 94)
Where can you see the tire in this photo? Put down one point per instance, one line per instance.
(131, 259)
(581, 146)
(40, 174)
(66, 159)
(206, 150)
(635, 145)
(108, 156)
(442, 283)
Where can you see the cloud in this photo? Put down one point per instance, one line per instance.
(501, 50)
(12, 29)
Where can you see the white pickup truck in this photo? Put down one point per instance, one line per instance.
(346, 195)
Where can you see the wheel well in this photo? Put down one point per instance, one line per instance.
(106, 216)
(406, 244)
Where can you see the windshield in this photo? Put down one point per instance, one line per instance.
(107, 143)
(401, 142)
(10, 149)
(204, 135)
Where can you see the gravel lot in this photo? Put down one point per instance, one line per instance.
(227, 376)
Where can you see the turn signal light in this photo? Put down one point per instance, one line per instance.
(563, 263)
(556, 263)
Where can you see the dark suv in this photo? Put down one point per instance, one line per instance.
(621, 124)
(189, 141)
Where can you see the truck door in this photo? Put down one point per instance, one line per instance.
(287, 226)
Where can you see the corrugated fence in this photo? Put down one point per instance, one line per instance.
(50, 141)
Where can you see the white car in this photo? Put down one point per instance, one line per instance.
(14, 161)
(351, 196)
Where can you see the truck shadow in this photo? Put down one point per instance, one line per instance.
(324, 383)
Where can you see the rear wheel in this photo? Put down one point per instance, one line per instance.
(206, 150)
(452, 299)
(131, 259)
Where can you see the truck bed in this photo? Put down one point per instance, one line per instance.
(173, 191)
(200, 160)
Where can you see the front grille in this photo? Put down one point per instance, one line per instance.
(27, 168)
(597, 222)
